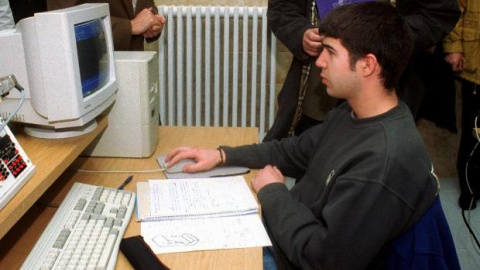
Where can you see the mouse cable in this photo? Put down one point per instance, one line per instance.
(126, 171)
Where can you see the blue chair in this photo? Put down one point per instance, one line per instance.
(426, 245)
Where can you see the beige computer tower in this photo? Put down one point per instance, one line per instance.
(133, 120)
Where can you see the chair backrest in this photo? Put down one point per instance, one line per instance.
(426, 245)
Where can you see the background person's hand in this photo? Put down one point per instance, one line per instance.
(312, 42)
(455, 60)
(156, 28)
(144, 22)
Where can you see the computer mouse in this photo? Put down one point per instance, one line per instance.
(177, 167)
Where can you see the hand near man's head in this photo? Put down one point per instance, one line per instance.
(312, 42)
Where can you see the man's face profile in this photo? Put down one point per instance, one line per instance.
(337, 74)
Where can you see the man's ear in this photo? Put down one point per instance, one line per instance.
(369, 65)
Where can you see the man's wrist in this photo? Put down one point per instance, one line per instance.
(222, 156)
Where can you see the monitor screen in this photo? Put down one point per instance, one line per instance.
(92, 56)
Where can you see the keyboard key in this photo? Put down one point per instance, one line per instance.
(107, 250)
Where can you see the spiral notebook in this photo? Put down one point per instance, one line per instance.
(194, 198)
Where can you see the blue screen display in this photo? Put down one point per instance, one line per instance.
(93, 57)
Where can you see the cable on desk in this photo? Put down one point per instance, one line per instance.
(145, 171)
(22, 100)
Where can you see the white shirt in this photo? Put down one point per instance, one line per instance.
(6, 16)
(134, 3)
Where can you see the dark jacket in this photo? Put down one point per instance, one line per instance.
(430, 21)
(426, 245)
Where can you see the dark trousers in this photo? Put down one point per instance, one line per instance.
(468, 161)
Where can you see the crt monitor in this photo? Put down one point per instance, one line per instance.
(64, 60)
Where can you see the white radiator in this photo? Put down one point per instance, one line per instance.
(217, 67)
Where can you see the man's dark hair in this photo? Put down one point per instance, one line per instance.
(372, 27)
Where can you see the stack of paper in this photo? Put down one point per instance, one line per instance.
(199, 214)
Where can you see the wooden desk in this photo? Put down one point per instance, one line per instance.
(51, 158)
(22, 238)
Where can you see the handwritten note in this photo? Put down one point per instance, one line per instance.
(197, 197)
(199, 214)
(205, 234)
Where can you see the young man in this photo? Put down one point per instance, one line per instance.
(366, 176)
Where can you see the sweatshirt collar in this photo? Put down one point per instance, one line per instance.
(398, 111)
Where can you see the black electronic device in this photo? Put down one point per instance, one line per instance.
(140, 255)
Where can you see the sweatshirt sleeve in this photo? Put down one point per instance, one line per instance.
(290, 155)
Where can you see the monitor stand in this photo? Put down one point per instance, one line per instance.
(51, 133)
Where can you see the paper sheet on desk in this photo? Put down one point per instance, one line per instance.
(175, 172)
(205, 234)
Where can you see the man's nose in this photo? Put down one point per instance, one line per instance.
(320, 62)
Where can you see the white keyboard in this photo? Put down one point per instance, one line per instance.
(86, 230)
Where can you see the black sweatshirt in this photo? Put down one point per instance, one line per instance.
(362, 182)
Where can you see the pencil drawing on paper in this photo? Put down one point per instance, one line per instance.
(175, 240)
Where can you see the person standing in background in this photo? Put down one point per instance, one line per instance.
(292, 22)
(133, 21)
(6, 17)
(462, 48)
(26, 8)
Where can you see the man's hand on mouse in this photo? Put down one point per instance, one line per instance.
(205, 159)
